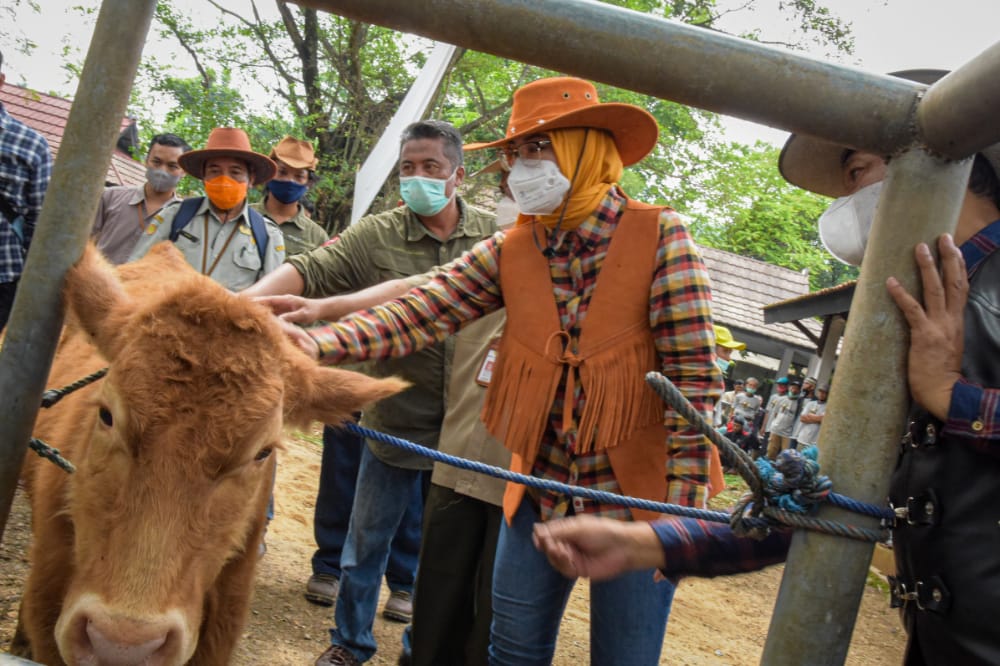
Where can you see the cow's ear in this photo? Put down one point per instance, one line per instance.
(96, 301)
(330, 395)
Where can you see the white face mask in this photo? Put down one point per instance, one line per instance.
(507, 212)
(845, 225)
(538, 188)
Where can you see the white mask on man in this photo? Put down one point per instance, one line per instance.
(507, 212)
(845, 225)
(539, 187)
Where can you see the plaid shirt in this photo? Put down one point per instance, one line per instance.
(974, 410)
(680, 318)
(25, 167)
(697, 548)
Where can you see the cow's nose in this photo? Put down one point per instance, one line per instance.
(112, 640)
(124, 648)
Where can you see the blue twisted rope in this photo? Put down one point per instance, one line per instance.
(543, 484)
(741, 519)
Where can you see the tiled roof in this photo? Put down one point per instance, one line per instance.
(742, 287)
(48, 115)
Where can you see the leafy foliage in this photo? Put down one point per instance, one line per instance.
(337, 83)
(740, 203)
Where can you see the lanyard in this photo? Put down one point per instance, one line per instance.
(204, 253)
(141, 210)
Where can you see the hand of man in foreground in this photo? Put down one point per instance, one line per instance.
(936, 327)
(290, 308)
(598, 548)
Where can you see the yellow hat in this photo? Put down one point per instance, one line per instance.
(724, 338)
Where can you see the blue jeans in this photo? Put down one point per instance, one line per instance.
(384, 494)
(338, 477)
(628, 615)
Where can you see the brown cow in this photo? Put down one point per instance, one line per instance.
(146, 554)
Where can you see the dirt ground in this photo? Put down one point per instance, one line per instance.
(713, 622)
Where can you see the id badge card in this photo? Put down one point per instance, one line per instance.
(485, 373)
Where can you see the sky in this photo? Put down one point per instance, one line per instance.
(890, 35)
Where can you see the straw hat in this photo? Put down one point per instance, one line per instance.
(228, 142)
(296, 153)
(564, 102)
(814, 164)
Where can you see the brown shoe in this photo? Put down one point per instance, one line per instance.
(398, 607)
(322, 589)
(337, 655)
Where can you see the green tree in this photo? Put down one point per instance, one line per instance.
(337, 82)
(740, 203)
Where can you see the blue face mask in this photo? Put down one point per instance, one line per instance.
(723, 364)
(424, 196)
(286, 191)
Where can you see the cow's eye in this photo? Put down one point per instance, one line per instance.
(263, 454)
(106, 417)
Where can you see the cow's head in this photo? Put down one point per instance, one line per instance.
(172, 484)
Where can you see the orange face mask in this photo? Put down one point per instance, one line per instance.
(224, 192)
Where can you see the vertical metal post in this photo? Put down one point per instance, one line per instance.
(64, 226)
(834, 331)
(825, 576)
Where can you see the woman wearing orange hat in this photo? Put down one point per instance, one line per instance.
(599, 290)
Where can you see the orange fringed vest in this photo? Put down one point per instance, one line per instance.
(622, 414)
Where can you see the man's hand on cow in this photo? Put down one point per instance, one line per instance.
(294, 309)
(301, 339)
(936, 327)
(597, 548)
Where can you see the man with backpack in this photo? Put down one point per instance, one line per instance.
(219, 234)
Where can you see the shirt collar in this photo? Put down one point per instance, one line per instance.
(138, 195)
(415, 229)
(600, 224)
(980, 246)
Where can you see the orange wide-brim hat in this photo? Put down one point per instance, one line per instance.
(228, 142)
(815, 165)
(564, 102)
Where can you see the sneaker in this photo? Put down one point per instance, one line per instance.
(337, 655)
(322, 589)
(398, 607)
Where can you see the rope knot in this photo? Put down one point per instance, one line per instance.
(793, 482)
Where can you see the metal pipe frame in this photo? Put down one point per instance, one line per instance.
(692, 66)
(64, 226)
(958, 114)
(925, 130)
(825, 576)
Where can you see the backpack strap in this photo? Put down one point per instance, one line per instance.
(184, 216)
(258, 227)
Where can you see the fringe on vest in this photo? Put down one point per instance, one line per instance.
(618, 400)
(511, 408)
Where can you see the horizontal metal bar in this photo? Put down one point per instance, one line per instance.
(958, 115)
(666, 59)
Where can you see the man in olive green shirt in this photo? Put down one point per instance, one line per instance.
(433, 228)
(296, 175)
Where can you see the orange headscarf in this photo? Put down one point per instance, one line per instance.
(600, 169)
